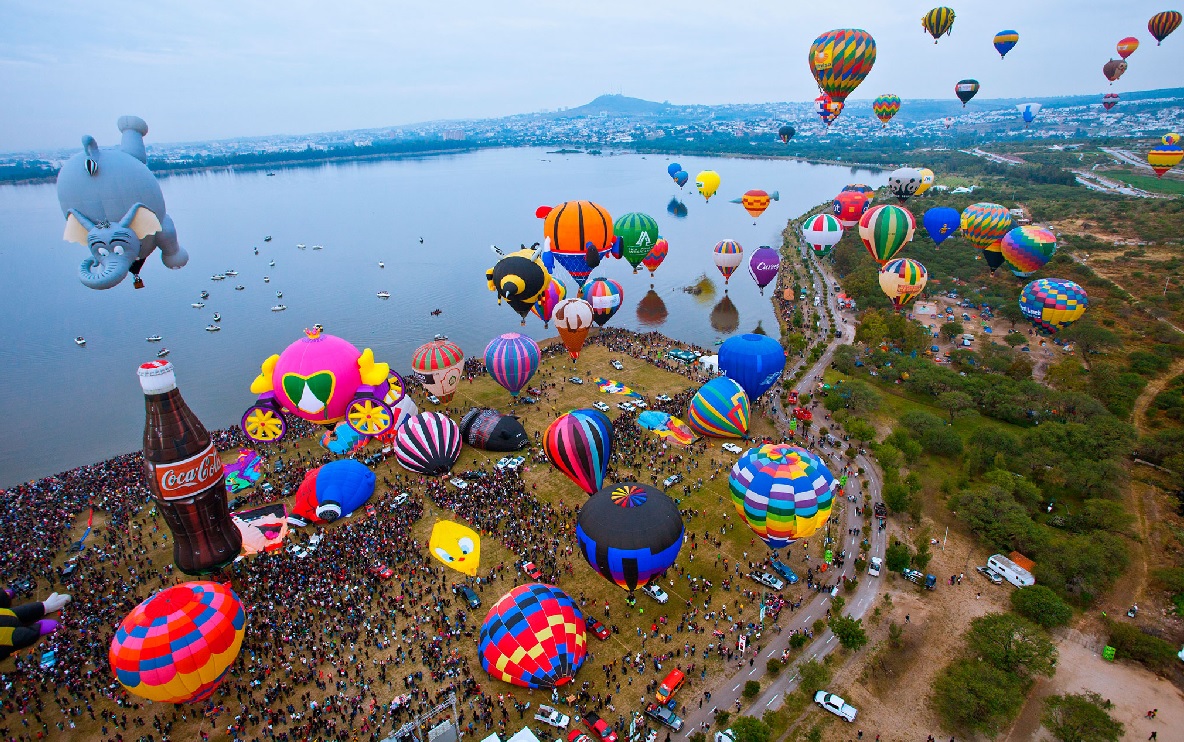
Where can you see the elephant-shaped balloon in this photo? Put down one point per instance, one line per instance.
(113, 205)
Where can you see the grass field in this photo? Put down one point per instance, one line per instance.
(1149, 183)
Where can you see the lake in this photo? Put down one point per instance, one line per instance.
(62, 405)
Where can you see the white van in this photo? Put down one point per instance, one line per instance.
(1010, 571)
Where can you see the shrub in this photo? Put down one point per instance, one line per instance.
(773, 667)
(1041, 605)
(751, 689)
(1131, 642)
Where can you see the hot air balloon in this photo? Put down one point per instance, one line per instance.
(938, 22)
(756, 201)
(948, 120)
(489, 430)
(719, 409)
(629, 533)
(965, 90)
(822, 232)
(1127, 46)
(886, 106)
(573, 319)
(651, 310)
(676, 208)
(1162, 24)
(985, 223)
(673, 168)
(533, 637)
(440, 364)
(605, 296)
(786, 133)
(840, 60)
(578, 444)
(331, 492)
(1109, 100)
(1053, 303)
(571, 227)
(886, 229)
(927, 178)
(728, 255)
(866, 190)
(656, 255)
(511, 359)
(941, 222)
(849, 206)
(707, 182)
(638, 234)
(520, 278)
(552, 295)
(902, 280)
(1171, 138)
(1028, 111)
(681, 177)
(1005, 41)
(724, 317)
(763, 265)
(1028, 249)
(783, 493)
(428, 443)
(827, 108)
(1114, 69)
(177, 645)
(1164, 157)
(903, 182)
(457, 546)
(755, 362)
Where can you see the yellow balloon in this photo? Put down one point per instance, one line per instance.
(708, 183)
(457, 546)
(927, 177)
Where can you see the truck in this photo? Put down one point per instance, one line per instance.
(1010, 571)
(551, 717)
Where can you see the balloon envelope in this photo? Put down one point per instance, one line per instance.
(570, 228)
(885, 230)
(578, 444)
(985, 223)
(727, 256)
(755, 362)
(629, 533)
(573, 318)
(489, 430)
(822, 232)
(1028, 248)
(786, 133)
(638, 234)
(901, 280)
(605, 296)
(783, 493)
(534, 637)
(1005, 41)
(886, 106)
(1053, 303)
(440, 364)
(938, 22)
(545, 306)
(511, 359)
(849, 206)
(903, 182)
(840, 60)
(332, 491)
(428, 443)
(456, 546)
(965, 90)
(763, 265)
(719, 409)
(941, 222)
(654, 258)
(707, 182)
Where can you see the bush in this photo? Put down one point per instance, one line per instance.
(721, 718)
(798, 640)
(973, 696)
(898, 556)
(1131, 642)
(819, 626)
(1081, 718)
(1041, 605)
(752, 688)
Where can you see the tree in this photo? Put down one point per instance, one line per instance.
(751, 689)
(773, 666)
(895, 634)
(955, 403)
(1081, 718)
(952, 329)
(862, 398)
(1015, 339)
(860, 429)
(1039, 604)
(1089, 336)
(850, 632)
(897, 556)
(750, 728)
(815, 676)
(1013, 644)
(975, 696)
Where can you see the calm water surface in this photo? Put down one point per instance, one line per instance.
(62, 405)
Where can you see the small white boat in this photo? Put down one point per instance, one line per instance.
(217, 277)
(80, 341)
(212, 328)
(217, 317)
(318, 247)
(267, 238)
(154, 338)
(240, 287)
(205, 294)
(278, 308)
(232, 273)
(267, 279)
(162, 352)
(279, 294)
(301, 246)
(381, 264)
(197, 305)
(384, 294)
(256, 251)
(272, 264)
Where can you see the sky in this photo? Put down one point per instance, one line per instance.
(219, 69)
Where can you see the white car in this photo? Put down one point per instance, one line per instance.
(617, 365)
(656, 592)
(640, 404)
(550, 716)
(726, 735)
(873, 566)
(314, 542)
(576, 380)
(511, 462)
(732, 448)
(767, 580)
(459, 483)
(664, 398)
(625, 406)
(600, 406)
(835, 705)
(433, 399)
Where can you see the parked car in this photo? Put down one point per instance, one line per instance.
(625, 406)
(835, 705)
(576, 380)
(600, 406)
(783, 569)
(663, 398)
(991, 575)
(510, 462)
(532, 571)
(617, 365)
(470, 597)
(577, 735)
(528, 400)
(314, 541)
(874, 565)
(670, 685)
(433, 399)
(459, 483)
(378, 569)
(726, 735)
(732, 448)
(640, 404)
(551, 717)
(664, 716)
(600, 729)
(671, 480)
(767, 580)
(599, 630)
(472, 474)
(535, 391)
(400, 498)
(656, 592)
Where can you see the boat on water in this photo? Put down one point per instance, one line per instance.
(217, 277)
(154, 338)
(197, 305)
(279, 294)
(80, 341)
(268, 237)
(256, 251)
(300, 246)
(384, 294)
(240, 287)
(278, 308)
(267, 279)
(272, 264)
(318, 247)
(217, 317)
(232, 273)
(163, 352)
(205, 294)
(270, 175)
(212, 328)
(381, 264)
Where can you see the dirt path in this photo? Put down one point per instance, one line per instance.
(1154, 387)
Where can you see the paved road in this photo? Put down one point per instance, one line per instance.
(725, 695)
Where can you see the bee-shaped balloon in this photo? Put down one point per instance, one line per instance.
(520, 278)
(457, 546)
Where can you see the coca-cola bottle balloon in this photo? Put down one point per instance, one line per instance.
(185, 476)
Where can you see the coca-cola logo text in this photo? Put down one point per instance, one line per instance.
(188, 477)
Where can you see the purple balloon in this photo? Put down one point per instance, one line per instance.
(763, 265)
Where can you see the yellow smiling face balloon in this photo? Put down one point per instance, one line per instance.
(457, 546)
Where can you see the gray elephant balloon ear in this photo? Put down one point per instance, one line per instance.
(140, 219)
(78, 227)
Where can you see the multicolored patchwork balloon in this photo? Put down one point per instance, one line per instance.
(511, 359)
(1028, 249)
(629, 533)
(1053, 303)
(885, 106)
(605, 296)
(985, 223)
(783, 493)
(840, 60)
(822, 232)
(534, 637)
(579, 444)
(177, 646)
(719, 409)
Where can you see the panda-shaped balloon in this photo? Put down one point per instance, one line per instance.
(904, 182)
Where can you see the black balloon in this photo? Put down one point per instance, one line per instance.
(490, 430)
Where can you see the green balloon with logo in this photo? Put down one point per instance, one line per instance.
(638, 233)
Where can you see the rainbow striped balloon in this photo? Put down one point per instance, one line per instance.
(719, 409)
(783, 493)
(985, 223)
(885, 107)
(1053, 303)
(1028, 249)
(840, 60)
(728, 255)
(176, 646)
(902, 279)
(511, 359)
(552, 295)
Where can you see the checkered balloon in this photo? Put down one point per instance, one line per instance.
(533, 637)
(784, 493)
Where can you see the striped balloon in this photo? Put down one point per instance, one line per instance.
(552, 295)
(1162, 24)
(985, 223)
(783, 493)
(1053, 303)
(177, 646)
(656, 255)
(428, 443)
(822, 232)
(938, 22)
(571, 227)
(885, 230)
(1028, 249)
(719, 409)
(1164, 157)
(902, 280)
(728, 256)
(886, 106)
(840, 60)
(578, 444)
(605, 295)
(534, 636)
(1005, 41)
(511, 359)
(441, 364)
(638, 233)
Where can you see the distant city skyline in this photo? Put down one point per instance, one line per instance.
(220, 70)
